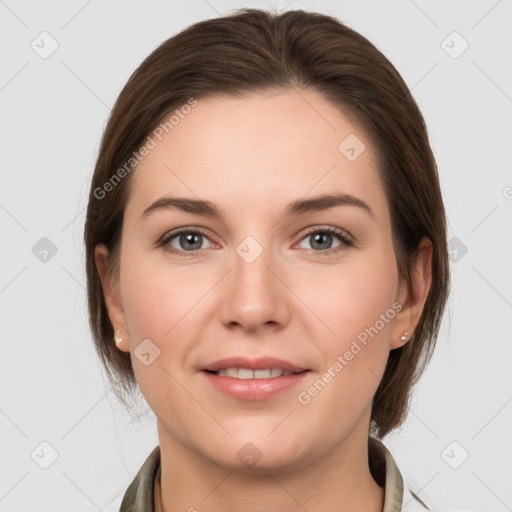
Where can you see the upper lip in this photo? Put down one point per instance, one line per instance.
(260, 363)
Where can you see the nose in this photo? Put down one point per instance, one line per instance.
(255, 295)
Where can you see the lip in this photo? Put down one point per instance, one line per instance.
(253, 389)
(260, 363)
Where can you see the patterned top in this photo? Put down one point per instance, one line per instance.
(139, 496)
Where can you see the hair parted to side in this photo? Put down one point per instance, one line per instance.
(254, 50)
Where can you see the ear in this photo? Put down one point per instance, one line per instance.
(111, 292)
(413, 299)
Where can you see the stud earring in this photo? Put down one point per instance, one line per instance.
(116, 339)
(404, 336)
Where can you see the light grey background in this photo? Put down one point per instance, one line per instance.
(53, 113)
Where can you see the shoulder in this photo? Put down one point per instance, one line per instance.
(413, 503)
(401, 492)
(139, 497)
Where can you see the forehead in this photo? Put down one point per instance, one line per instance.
(273, 146)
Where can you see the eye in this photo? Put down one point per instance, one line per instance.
(185, 241)
(321, 240)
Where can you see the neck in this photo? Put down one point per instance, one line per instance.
(338, 480)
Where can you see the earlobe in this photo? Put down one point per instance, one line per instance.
(421, 278)
(401, 340)
(404, 337)
(112, 297)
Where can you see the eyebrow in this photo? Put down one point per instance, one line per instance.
(298, 207)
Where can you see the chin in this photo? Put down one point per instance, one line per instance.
(260, 456)
(275, 464)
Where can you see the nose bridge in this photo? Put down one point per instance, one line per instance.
(254, 296)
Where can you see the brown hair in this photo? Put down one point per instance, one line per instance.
(254, 50)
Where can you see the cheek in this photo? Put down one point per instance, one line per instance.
(355, 303)
(155, 298)
(360, 313)
(347, 300)
(158, 305)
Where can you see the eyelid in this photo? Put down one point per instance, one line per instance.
(346, 240)
(184, 229)
(329, 229)
(164, 240)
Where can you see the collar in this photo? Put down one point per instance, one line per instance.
(139, 497)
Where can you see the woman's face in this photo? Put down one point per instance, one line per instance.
(259, 228)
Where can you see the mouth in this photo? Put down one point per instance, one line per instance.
(253, 380)
(247, 373)
(247, 368)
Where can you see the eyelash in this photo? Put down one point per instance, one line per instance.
(345, 239)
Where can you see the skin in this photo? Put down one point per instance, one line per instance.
(253, 156)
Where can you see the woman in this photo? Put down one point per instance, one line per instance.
(267, 262)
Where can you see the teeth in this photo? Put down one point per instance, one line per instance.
(246, 373)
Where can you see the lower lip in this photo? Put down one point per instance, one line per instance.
(254, 389)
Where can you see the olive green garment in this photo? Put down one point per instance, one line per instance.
(139, 496)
